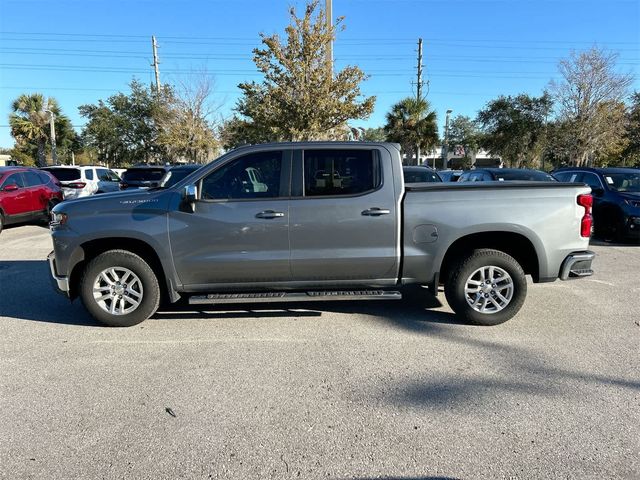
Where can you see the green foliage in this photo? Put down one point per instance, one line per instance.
(123, 129)
(514, 128)
(31, 129)
(412, 124)
(464, 132)
(631, 152)
(299, 98)
(376, 134)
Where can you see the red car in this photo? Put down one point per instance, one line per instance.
(26, 194)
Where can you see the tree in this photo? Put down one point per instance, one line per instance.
(186, 124)
(30, 126)
(299, 98)
(464, 132)
(589, 97)
(376, 134)
(514, 128)
(412, 124)
(124, 129)
(631, 153)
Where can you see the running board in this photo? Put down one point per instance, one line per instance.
(313, 296)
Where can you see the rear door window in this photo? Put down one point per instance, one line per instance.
(340, 172)
(32, 179)
(88, 173)
(591, 179)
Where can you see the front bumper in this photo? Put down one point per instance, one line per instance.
(60, 284)
(577, 265)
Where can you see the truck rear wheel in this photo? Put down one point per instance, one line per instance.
(487, 287)
(119, 289)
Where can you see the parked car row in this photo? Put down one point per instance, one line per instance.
(615, 191)
(28, 194)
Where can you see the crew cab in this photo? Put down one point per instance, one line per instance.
(318, 221)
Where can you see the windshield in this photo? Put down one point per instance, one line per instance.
(528, 175)
(65, 174)
(413, 176)
(143, 174)
(623, 182)
(174, 176)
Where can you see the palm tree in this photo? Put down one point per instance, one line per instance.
(30, 122)
(412, 123)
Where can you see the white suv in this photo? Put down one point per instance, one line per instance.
(81, 181)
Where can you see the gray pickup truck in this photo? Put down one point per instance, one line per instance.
(313, 221)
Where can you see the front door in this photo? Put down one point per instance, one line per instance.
(18, 201)
(239, 231)
(344, 217)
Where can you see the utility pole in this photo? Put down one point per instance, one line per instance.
(154, 45)
(445, 157)
(52, 119)
(419, 84)
(329, 12)
(419, 90)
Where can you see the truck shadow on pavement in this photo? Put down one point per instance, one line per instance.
(27, 294)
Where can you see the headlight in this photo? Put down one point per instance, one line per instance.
(633, 203)
(58, 219)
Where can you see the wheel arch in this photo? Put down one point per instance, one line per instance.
(92, 248)
(514, 244)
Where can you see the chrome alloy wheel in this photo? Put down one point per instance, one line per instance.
(489, 289)
(117, 290)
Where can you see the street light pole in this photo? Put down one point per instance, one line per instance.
(445, 156)
(54, 153)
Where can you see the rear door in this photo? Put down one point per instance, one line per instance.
(38, 197)
(343, 216)
(239, 231)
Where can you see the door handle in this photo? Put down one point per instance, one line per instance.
(269, 214)
(375, 211)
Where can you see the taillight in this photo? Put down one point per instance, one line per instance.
(77, 185)
(586, 223)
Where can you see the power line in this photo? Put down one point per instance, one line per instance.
(491, 41)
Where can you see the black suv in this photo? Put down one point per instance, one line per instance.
(616, 199)
(143, 176)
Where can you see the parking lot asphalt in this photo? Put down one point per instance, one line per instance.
(333, 390)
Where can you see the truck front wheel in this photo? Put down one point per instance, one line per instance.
(119, 289)
(487, 287)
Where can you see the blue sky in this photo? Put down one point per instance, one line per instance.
(79, 51)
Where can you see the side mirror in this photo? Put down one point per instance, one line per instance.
(190, 193)
(12, 187)
(597, 192)
(190, 196)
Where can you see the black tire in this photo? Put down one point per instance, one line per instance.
(149, 291)
(1, 222)
(462, 272)
(47, 214)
